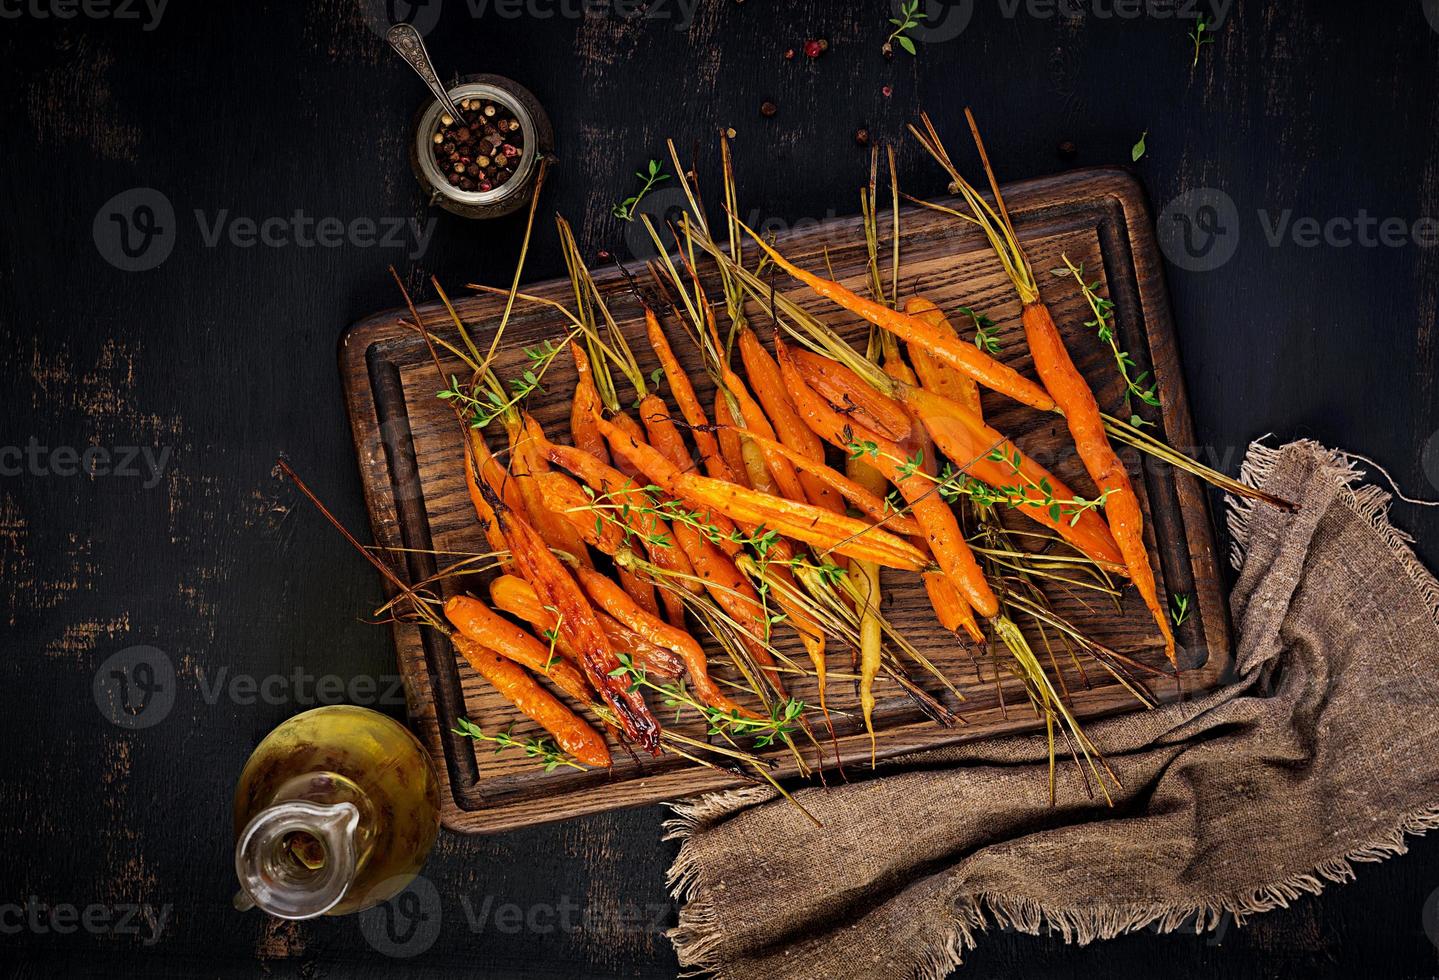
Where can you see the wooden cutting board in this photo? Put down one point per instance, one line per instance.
(410, 456)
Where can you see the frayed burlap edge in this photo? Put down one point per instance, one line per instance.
(697, 937)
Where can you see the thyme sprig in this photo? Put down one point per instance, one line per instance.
(783, 719)
(955, 485)
(485, 403)
(541, 750)
(1103, 323)
(625, 210)
(985, 330)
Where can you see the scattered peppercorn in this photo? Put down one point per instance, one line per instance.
(813, 49)
(768, 109)
(887, 91)
(1068, 150)
(789, 54)
(861, 136)
(480, 151)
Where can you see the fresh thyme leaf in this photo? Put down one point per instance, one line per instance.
(1139, 148)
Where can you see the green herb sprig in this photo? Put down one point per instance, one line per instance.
(1103, 323)
(625, 210)
(783, 717)
(1179, 608)
(910, 16)
(540, 750)
(485, 404)
(1202, 34)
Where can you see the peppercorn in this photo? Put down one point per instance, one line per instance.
(789, 54)
(768, 109)
(812, 49)
(861, 136)
(887, 91)
(1067, 149)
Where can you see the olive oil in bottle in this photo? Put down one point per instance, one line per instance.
(335, 811)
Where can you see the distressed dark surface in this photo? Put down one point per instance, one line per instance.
(225, 356)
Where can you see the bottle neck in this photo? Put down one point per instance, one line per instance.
(296, 859)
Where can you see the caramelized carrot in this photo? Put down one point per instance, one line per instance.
(795, 519)
(941, 530)
(984, 453)
(835, 383)
(729, 442)
(570, 731)
(1086, 426)
(612, 599)
(577, 622)
(934, 373)
(526, 463)
(858, 495)
(688, 402)
(965, 437)
(912, 329)
(582, 408)
(494, 632)
(514, 595)
(606, 479)
(789, 428)
(478, 458)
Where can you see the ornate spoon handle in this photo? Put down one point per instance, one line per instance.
(407, 42)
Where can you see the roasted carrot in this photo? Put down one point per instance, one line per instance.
(576, 622)
(571, 732)
(479, 460)
(984, 453)
(863, 403)
(941, 530)
(612, 599)
(912, 329)
(731, 449)
(582, 408)
(514, 595)
(629, 425)
(934, 373)
(563, 495)
(1086, 426)
(688, 402)
(494, 632)
(795, 519)
(1070, 392)
(526, 464)
(851, 491)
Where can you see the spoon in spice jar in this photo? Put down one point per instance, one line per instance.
(410, 46)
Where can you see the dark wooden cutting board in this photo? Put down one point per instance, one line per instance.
(410, 457)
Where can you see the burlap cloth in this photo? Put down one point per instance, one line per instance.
(1319, 755)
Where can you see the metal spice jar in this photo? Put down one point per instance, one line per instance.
(482, 165)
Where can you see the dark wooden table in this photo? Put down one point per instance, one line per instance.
(206, 366)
